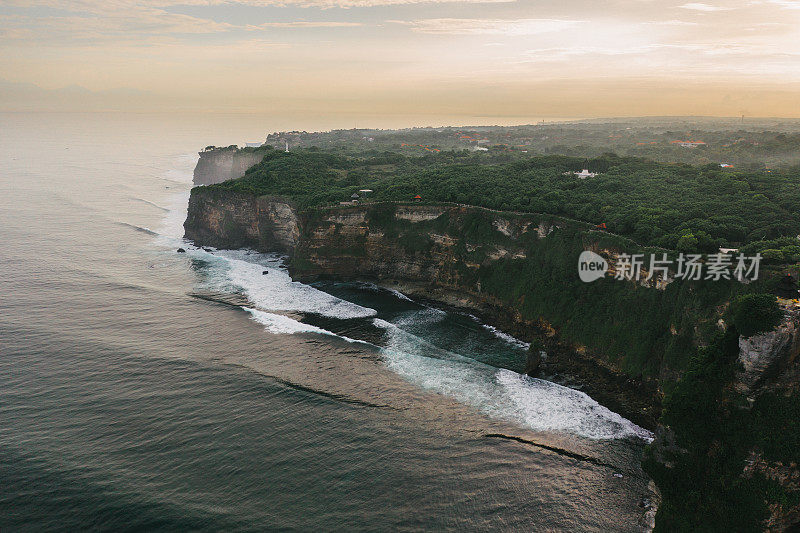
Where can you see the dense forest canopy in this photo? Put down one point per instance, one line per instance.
(675, 206)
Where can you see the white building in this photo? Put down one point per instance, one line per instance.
(583, 174)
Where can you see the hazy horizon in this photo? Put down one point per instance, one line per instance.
(428, 58)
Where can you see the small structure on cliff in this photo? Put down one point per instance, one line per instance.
(583, 174)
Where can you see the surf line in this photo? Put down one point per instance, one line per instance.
(330, 395)
(559, 451)
(316, 392)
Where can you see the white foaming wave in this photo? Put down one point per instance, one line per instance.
(400, 295)
(421, 317)
(242, 270)
(553, 407)
(377, 288)
(506, 337)
(532, 403)
(283, 324)
(277, 292)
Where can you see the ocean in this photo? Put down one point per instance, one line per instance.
(145, 389)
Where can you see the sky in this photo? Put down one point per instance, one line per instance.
(497, 58)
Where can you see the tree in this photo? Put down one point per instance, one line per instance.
(687, 243)
(755, 313)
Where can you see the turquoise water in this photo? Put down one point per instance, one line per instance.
(141, 389)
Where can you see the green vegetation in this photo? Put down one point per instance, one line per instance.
(703, 485)
(755, 313)
(678, 207)
(644, 331)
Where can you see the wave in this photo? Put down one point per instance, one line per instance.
(283, 324)
(276, 291)
(366, 285)
(503, 394)
(554, 449)
(506, 337)
(148, 202)
(138, 228)
(399, 295)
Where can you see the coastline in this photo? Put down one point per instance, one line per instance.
(635, 400)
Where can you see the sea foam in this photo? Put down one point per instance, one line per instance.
(503, 394)
(275, 323)
(276, 291)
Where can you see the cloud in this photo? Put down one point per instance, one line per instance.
(786, 4)
(126, 25)
(697, 6)
(100, 6)
(448, 26)
(673, 22)
(141, 24)
(306, 24)
(538, 55)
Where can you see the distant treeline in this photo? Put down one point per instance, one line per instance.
(750, 144)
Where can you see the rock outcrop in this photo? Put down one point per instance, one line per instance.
(767, 359)
(222, 164)
(233, 220)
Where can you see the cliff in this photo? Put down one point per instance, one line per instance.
(516, 270)
(236, 220)
(222, 164)
(768, 361)
(625, 343)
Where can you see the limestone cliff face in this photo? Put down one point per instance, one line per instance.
(222, 164)
(232, 220)
(428, 244)
(362, 241)
(769, 360)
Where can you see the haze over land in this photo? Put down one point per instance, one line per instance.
(507, 61)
